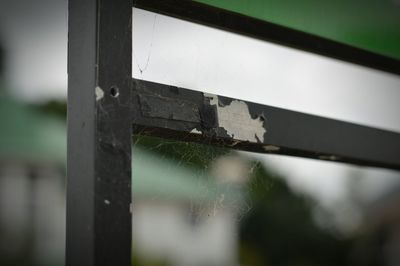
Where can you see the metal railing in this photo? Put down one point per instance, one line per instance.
(106, 107)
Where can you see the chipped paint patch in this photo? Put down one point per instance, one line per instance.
(271, 148)
(328, 157)
(107, 202)
(195, 131)
(235, 118)
(99, 93)
(234, 143)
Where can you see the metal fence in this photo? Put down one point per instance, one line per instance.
(106, 107)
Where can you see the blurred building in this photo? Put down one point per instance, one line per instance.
(32, 211)
(183, 217)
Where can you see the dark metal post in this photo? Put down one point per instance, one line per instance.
(99, 133)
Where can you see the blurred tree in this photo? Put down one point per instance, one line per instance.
(58, 108)
(280, 229)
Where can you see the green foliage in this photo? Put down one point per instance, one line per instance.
(280, 230)
(53, 107)
(372, 25)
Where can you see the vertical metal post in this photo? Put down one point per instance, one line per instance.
(99, 133)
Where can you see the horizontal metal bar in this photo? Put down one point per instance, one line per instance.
(178, 113)
(234, 22)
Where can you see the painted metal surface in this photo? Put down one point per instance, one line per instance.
(99, 133)
(243, 125)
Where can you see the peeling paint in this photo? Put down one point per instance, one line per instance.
(271, 148)
(99, 93)
(169, 108)
(234, 143)
(235, 118)
(195, 131)
(328, 157)
(107, 202)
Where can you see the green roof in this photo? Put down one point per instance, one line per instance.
(154, 176)
(372, 25)
(30, 136)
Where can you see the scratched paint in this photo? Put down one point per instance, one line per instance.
(195, 131)
(99, 93)
(235, 118)
(328, 157)
(271, 148)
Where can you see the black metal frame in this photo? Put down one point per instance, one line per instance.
(99, 133)
(171, 112)
(106, 106)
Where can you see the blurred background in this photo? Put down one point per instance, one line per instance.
(195, 204)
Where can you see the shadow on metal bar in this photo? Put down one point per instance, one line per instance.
(178, 113)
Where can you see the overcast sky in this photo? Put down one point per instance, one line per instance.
(34, 35)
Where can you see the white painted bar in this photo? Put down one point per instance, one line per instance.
(177, 52)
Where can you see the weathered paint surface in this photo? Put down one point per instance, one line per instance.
(271, 148)
(177, 113)
(195, 131)
(235, 118)
(176, 109)
(99, 93)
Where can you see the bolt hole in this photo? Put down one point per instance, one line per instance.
(114, 92)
